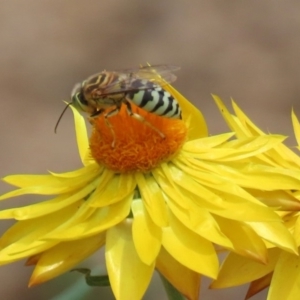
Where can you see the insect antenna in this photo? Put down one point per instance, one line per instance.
(61, 115)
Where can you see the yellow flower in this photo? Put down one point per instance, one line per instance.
(281, 271)
(155, 203)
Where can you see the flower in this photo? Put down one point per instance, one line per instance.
(281, 270)
(155, 202)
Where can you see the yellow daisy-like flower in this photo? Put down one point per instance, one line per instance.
(281, 272)
(155, 203)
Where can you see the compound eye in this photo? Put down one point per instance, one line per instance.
(79, 98)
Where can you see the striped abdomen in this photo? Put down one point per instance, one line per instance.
(155, 99)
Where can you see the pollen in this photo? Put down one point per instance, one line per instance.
(127, 144)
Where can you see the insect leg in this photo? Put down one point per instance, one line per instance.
(108, 124)
(141, 118)
(108, 115)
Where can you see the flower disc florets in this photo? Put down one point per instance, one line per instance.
(135, 146)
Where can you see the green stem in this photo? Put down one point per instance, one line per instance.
(172, 293)
(93, 280)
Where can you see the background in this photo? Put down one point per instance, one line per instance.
(248, 50)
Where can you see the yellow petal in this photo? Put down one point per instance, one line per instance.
(296, 126)
(102, 219)
(189, 249)
(246, 241)
(27, 180)
(153, 199)
(245, 120)
(113, 190)
(190, 114)
(217, 202)
(249, 147)
(244, 127)
(234, 150)
(286, 157)
(48, 184)
(63, 257)
(237, 270)
(96, 197)
(207, 143)
(232, 122)
(83, 213)
(275, 233)
(200, 221)
(129, 276)
(279, 199)
(81, 136)
(47, 207)
(91, 168)
(146, 235)
(25, 238)
(281, 154)
(248, 175)
(286, 278)
(186, 281)
(216, 183)
(297, 230)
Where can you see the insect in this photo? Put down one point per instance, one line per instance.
(104, 94)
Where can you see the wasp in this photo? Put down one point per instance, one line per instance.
(104, 94)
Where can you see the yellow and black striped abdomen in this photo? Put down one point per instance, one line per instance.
(153, 98)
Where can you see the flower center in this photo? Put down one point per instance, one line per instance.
(126, 144)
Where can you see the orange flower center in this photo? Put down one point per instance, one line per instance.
(126, 144)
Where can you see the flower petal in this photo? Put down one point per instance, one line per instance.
(200, 221)
(296, 126)
(297, 230)
(81, 136)
(279, 199)
(244, 127)
(146, 235)
(28, 180)
(100, 220)
(25, 238)
(63, 257)
(245, 240)
(206, 143)
(113, 189)
(190, 114)
(47, 207)
(153, 199)
(129, 276)
(50, 184)
(186, 281)
(275, 233)
(220, 203)
(234, 150)
(237, 270)
(189, 249)
(248, 174)
(230, 120)
(286, 278)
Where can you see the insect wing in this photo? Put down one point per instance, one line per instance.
(159, 74)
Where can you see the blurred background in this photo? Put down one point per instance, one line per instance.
(248, 50)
